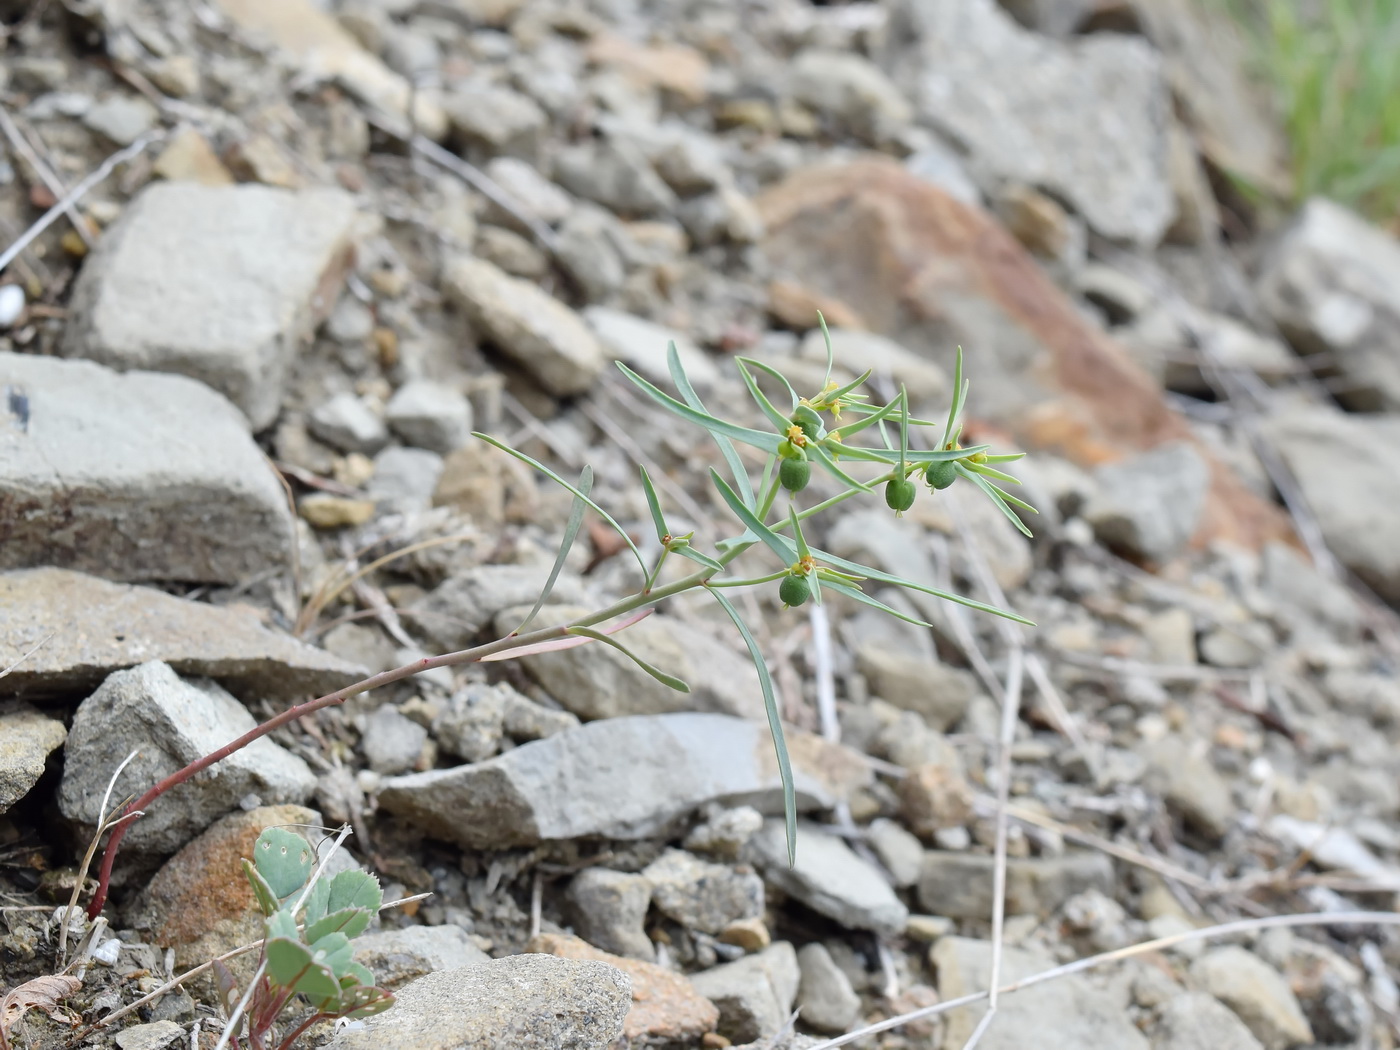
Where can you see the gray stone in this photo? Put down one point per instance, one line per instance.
(396, 957)
(829, 878)
(529, 192)
(404, 479)
(122, 118)
(587, 250)
(724, 215)
(940, 165)
(959, 885)
(610, 909)
(27, 738)
(616, 174)
(724, 832)
(1086, 121)
(701, 895)
(1308, 595)
(938, 693)
(497, 119)
(391, 742)
(928, 385)
(154, 1036)
(824, 996)
(900, 852)
(94, 627)
(597, 681)
(621, 778)
(1067, 1012)
(430, 415)
(472, 723)
(754, 994)
(347, 423)
(1332, 284)
(1149, 505)
(642, 346)
(524, 720)
(136, 477)
(852, 93)
(526, 324)
(527, 1002)
(692, 163)
(171, 721)
(1350, 477)
(511, 252)
(1239, 645)
(220, 283)
(1196, 1021)
(1258, 993)
(464, 605)
(350, 322)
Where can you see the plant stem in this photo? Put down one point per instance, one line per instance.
(299, 1029)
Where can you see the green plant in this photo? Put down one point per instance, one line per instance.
(312, 958)
(808, 430)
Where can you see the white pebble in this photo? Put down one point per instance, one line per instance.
(11, 304)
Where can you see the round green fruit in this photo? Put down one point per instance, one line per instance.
(942, 474)
(794, 590)
(794, 474)
(899, 494)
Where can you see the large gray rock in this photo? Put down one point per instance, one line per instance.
(829, 878)
(959, 885)
(526, 1002)
(171, 721)
(1087, 121)
(623, 778)
(1149, 505)
(1332, 284)
(526, 324)
(94, 627)
(610, 909)
(1350, 475)
(1071, 1011)
(754, 994)
(216, 282)
(1196, 1021)
(136, 477)
(398, 956)
(27, 738)
(1258, 993)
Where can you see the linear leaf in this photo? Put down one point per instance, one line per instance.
(661, 676)
(726, 447)
(822, 456)
(770, 370)
(874, 417)
(555, 644)
(884, 577)
(916, 456)
(852, 591)
(958, 393)
(768, 442)
(1001, 499)
(654, 505)
(775, 725)
(775, 543)
(842, 391)
(770, 410)
(577, 493)
(699, 559)
(585, 485)
(798, 538)
(830, 354)
(992, 472)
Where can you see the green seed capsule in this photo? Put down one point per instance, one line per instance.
(805, 416)
(942, 474)
(787, 450)
(794, 590)
(899, 494)
(794, 474)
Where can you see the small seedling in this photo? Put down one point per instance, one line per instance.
(312, 958)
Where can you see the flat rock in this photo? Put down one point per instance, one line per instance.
(1070, 1011)
(1350, 476)
(526, 324)
(396, 957)
(1087, 121)
(526, 1002)
(95, 627)
(134, 477)
(1332, 284)
(1149, 506)
(1258, 993)
(959, 885)
(666, 1008)
(623, 778)
(932, 273)
(220, 283)
(171, 721)
(754, 994)
(830, 878)
(1197, 1021)
(27, 738)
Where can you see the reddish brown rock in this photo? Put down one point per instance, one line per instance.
(933, 273)
(666, 1008)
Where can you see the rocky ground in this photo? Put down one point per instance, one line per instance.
(273, 303)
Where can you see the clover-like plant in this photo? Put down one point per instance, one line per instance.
(823, 430)
(312, 958)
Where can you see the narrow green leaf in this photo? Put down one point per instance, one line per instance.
(775, 725)
(1001, 499)
(698, 558)
(883, 412)
(916, 456)
(798, 538)
(775, 543)
(903, 432)
(770, 370)
(852, 591)
(775, 417)
(725, 446)
(761, 439)
(830, 354)
(956, 406)
(585, 486)
(564, 484)
(884, 577)
(661, 676)
(991, 472)
(654, 505)
(1005, 457)
(821, 455)
(842, 391)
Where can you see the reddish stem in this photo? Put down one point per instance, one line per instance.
(299, 1029)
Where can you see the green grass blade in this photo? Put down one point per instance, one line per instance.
(698, 558)
(874, 417)
(564, 484)
(585, 485)
(1001, 499)
(661, 676)
(982, 468)
(884, 577)
(775, 725)
(770, 410)
(762, 439)
(956, 406)
(903, 432)
(726, 447)
(852, 591)
(654, 505)
(775, 543)
(798, 538)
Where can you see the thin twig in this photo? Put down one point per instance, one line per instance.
(25, 656)
(101, 829)
(27, 150)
